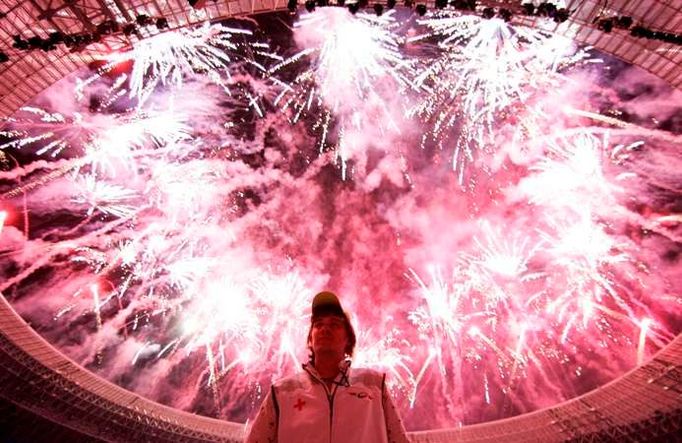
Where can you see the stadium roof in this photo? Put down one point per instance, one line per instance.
(29, 71)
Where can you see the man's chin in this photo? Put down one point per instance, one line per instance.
(326, 351)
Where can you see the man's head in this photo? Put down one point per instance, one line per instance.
(330, 329)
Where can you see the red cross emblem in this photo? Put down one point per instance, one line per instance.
(299, 404)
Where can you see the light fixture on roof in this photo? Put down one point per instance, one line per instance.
(143, 20)
(19, 43)
(488, 13)
(161, 23)
(605, 24)
(129, 29)
(623, 22)
(561, 15)
(528, 8)
(107, 27)
(464, 5)
(505, 14)
(35, 42)
(546, 9)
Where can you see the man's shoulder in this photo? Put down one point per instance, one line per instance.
(368, 376)
(292, 381)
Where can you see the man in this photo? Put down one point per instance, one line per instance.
(327, 402)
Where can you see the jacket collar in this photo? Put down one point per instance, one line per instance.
(342, 378)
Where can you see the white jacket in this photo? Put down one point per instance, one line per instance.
(302, 409)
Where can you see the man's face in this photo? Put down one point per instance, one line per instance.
(329, 335)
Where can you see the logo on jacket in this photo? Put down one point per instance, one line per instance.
(361, 395)
(299, 404)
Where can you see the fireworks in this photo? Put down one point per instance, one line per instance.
(170, 238)
(104, 197)
(354, 67)
(488, 70)
(53, 131)
(167, 58)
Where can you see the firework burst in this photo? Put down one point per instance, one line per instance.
(487, 71)
(345, 88)
(168, 58)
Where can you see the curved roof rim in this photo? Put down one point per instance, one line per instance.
(28, 73)
(634, 397)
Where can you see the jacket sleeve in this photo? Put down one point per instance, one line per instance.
(395, 431)
(264, 428)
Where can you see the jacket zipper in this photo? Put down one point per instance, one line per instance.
(330, 398)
